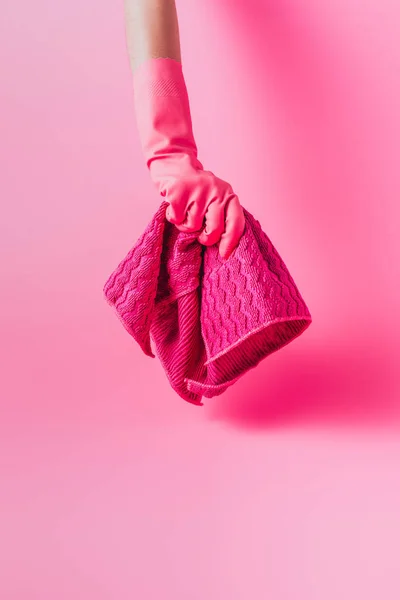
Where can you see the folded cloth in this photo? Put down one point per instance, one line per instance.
(210, 321)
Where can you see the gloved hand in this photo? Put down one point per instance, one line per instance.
(198, 199)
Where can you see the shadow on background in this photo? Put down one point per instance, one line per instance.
(321, 95)
(335, 386)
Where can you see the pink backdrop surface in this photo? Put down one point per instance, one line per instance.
(288, 485)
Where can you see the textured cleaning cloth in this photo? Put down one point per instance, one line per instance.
(207, 320)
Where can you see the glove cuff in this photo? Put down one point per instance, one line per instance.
(163, 118)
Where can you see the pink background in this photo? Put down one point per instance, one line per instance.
(287, 486)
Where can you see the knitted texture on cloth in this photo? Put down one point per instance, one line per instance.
(209, 320)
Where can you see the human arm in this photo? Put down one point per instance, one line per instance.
(198, 200)
(152, 30)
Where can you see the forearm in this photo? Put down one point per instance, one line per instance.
(152, 30)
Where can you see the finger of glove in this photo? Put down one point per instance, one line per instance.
(215, 219)
(195, 211)
(234, 227)
(178, 198)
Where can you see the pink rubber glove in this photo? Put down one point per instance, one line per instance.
(198, 199)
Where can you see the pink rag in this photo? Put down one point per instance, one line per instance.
(209, 320)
